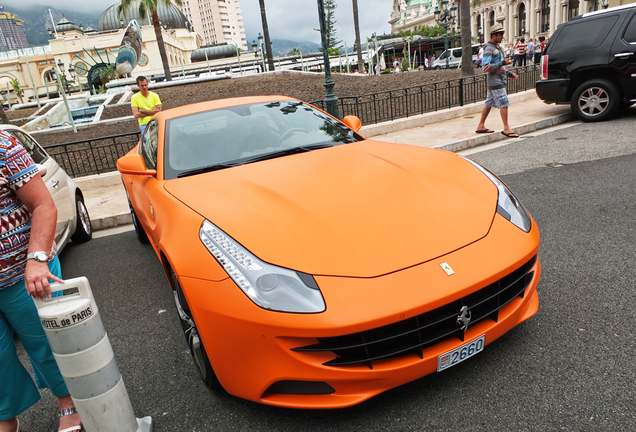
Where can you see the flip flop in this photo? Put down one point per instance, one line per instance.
(70, 411)
(511, 135)
(484, 131)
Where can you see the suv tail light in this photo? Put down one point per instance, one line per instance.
(544, 67)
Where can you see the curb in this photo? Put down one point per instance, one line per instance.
(471, 142)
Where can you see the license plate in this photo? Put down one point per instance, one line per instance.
(461, 353)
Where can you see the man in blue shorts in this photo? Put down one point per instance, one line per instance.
(494, 64)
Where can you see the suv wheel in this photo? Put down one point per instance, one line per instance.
(595, 100)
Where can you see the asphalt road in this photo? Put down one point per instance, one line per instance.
(571, 367)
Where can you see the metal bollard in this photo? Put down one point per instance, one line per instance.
(85, 357)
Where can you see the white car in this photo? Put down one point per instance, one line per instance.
(73, 221)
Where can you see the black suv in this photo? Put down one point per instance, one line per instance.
(590, 63)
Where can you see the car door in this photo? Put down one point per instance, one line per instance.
(55, 179)
(141, 186)
(623, 56)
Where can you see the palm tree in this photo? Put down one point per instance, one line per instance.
(356, 25)
(268, 44)
(17, 88)
(150, 6)
(464, 25)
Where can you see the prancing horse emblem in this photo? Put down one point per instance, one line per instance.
(463, 318)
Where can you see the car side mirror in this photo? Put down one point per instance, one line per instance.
(353, 122)
(134, 164)
(42, 169)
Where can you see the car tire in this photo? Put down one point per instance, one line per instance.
(83, 230)
(139, 230)
(191, 333)
(595, 100)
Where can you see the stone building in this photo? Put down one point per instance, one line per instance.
(12, 34)
(217, 21)
(84, 48)
(520, 18)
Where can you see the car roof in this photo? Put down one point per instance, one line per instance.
(608, 10)
(216, 104)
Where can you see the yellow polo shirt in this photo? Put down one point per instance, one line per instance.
(149, 103)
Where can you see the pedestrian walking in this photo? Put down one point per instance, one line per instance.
(494, 65)
(28, 260)
(145, 103)
(520, 50)
(530, 50)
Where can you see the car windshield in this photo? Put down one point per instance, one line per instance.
(237, 135)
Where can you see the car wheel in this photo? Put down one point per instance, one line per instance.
(595, 100)
(141, 234)
(83, 230)
(195, 344)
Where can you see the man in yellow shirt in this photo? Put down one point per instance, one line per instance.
(145, 103)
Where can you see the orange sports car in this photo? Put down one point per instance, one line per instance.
(314, 268)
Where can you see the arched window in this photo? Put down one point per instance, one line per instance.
(522, 19)
(545, 16)
(573, 9)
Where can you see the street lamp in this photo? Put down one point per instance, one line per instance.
(60, 65)
(331, 101)
(262, 48)
(446, 18)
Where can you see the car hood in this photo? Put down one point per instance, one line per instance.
(360, 210)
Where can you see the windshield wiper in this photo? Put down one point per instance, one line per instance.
(287, 152)
(209, 168)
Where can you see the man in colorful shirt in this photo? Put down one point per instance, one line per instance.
(28, 261)
(494, 65)
(145, 103)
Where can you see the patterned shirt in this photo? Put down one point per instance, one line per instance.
(16, 168)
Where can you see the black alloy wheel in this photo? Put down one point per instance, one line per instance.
(595, 100)
(83, 229)
(195, 344)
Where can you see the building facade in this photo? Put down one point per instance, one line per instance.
(217, 21)
(83, 48)
(12, 34)
(520, 18)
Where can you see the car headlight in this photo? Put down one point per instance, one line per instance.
(269, 286)
(507, 203)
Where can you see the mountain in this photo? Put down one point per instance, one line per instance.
(37, 20)
(281, 47)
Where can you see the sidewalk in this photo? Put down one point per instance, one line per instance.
(452, 129)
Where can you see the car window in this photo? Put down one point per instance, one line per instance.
(444, 55)
(584, 34)
(630, 31)
(149, 144)
(239, 133)
(457, 53)
(35, 151)
(475, 50)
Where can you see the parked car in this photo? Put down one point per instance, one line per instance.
(589, 63)
(73, 221)
(314, 268)
(454, 58)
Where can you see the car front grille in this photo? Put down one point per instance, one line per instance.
(414, 334)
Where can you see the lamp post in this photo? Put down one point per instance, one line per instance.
(60, 65)
(262, 49)
(255, 49)
(331, 101)
(446, 18)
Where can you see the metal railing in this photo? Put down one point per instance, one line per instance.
(94, 156)
(100, 155)
(393, 104)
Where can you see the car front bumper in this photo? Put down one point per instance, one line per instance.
(553, 91)
(251, 349)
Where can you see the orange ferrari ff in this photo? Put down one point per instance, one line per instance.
(314, 268)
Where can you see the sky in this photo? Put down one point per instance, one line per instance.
(287, 19)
